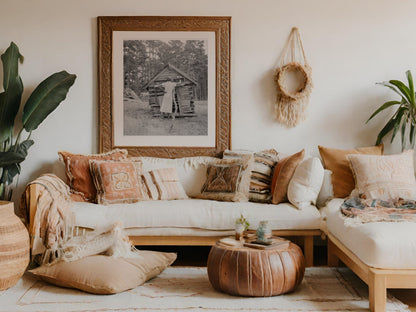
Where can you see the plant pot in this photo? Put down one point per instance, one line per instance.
(239, 230)
(14, 246)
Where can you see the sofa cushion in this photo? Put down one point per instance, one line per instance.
(168, 184)
(306, 183)
(228, 179)
(261, 172)
(384, 177)
(191, 170)
(385, 245)
(118, 181)
(336, 161)
(77, 170)
(282, 175)
(195, 213)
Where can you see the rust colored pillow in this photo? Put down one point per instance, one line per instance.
(336, 160)
(118, 181)
(283, 172)
(77, 169)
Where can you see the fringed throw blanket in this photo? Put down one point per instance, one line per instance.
(51, 227)
(359, 210)
(50, 221)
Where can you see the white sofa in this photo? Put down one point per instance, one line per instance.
(194, 221)
(382, 254)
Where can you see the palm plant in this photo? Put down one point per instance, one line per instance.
(404, 118)
(41, 102)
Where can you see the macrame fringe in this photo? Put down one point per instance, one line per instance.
(291, 112)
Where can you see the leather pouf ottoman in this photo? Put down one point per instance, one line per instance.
(245, 271)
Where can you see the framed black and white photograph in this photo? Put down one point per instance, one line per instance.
(164, 85)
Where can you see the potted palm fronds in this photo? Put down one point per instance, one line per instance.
(41, 102)
(403, 119)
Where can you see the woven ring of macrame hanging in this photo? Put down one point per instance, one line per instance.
(293, 81)
(304, 83)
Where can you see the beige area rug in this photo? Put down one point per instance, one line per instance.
(188, 289)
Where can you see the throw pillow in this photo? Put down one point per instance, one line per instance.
(164, 184)
(336, 161)
(228, 179)
(306, 183)
(283, 172)
(118, 181)
(327, 192)
(261, 173)
(77, 169)
(106, 275)
(384, 177)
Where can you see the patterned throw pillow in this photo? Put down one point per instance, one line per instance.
(261, 173)
(384, 177)
(164, 184)
(336, 161)
(228, 179)
(118, 181)
(77, 169)
(283, 173)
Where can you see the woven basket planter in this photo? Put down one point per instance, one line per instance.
(14, 246)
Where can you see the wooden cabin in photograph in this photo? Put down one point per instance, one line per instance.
(183, 96)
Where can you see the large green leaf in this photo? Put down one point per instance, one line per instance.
(403, 89)
(403, 134)
(398, 120)
(45, 98)
(13, 89)
(383, 107)
(9, 172)
(10, 160)
(411, 87)
(386, 129)
(16, 154)
(10, 60)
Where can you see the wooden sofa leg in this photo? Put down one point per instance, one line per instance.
(333, 260)
(308, 250)
(377, 292)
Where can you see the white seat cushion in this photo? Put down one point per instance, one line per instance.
(384, 245)
(195, 213)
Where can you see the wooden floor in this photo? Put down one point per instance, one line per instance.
(198, 255)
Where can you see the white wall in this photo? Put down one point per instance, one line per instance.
(350, 45)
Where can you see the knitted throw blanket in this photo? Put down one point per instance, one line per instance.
(51, 227)
(52, 221)
(359, 210)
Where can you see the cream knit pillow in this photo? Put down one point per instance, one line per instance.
(384, 177)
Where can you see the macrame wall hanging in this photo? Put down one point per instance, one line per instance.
(293, 81)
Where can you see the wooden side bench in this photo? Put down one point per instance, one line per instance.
(378, 280)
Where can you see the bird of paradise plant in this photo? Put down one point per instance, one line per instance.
(42, 101)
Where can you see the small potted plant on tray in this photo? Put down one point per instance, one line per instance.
(241, 225)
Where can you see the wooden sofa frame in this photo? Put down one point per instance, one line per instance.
(306, 236)
(378, 280)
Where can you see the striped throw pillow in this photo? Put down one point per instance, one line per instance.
(261, 172)
(164, 184)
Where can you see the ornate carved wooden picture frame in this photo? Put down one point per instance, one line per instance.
(164, 85)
